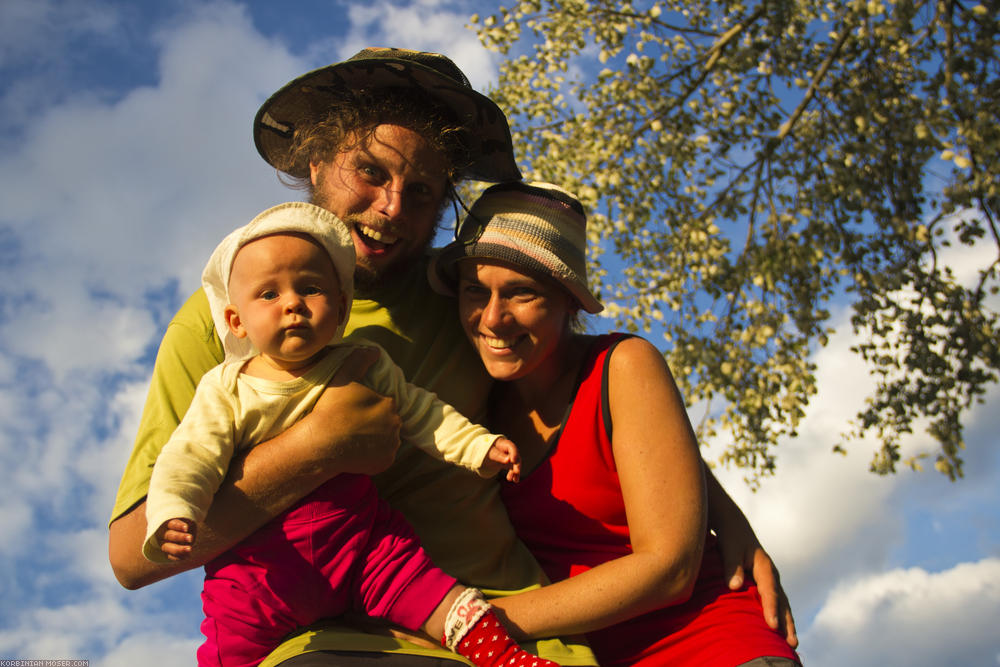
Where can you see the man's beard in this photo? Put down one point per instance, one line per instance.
(369, 279)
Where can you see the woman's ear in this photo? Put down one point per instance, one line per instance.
(232, 315)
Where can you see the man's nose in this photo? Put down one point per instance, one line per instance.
(391, 203)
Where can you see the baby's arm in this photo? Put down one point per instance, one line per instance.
(504, 453)
(431, 424)
(189, 470)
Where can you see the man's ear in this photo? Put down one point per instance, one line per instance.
(314, 168)
(233, 321)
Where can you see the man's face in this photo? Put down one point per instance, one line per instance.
(389, 190)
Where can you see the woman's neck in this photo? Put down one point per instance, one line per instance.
(547, 390)
(531, 410)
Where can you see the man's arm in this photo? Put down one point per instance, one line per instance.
(742, 554)
(351, 429)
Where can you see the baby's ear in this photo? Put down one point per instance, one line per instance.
(232, 315)
(345, 306)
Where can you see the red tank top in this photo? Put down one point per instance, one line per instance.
(570, 513)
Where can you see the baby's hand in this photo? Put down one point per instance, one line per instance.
(504, 452)
(177, 537)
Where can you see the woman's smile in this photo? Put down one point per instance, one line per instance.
(514, 320)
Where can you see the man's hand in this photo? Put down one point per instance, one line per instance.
(351, 429)
(347, 408)
(749, 558)
(743, 557)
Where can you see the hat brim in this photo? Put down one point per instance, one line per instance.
(442, 270)
(305, 100)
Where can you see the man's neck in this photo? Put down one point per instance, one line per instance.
(368, 285)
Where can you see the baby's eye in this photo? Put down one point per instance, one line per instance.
(310, 290)
(269, 295)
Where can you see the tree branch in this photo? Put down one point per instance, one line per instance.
(787, 126)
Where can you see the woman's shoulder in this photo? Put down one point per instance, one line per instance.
(634, 364)
(627, 349)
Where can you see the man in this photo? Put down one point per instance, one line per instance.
(378, 140)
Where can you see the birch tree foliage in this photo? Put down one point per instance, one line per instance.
(748, 162)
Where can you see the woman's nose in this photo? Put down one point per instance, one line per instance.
(494, 312)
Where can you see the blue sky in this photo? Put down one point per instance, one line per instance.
(126, 155)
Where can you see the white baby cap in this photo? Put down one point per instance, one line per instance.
(300, 217)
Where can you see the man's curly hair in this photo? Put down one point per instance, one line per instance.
(352, 116)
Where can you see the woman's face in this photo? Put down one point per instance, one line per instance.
(515, 320)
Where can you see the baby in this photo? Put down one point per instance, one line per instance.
(280, 289)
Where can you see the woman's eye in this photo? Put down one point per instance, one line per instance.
(472, 290)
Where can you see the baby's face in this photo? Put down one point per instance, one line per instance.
(287, 298)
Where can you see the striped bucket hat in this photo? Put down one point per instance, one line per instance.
(535, 226)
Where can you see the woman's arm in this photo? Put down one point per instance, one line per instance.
(663, 486)
(351, 429)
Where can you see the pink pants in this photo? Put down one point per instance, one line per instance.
(341, 548)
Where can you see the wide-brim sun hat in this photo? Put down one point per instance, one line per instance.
(535, 226)
(290, 218)
(306, 100)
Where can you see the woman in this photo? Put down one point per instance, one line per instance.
(613, 505)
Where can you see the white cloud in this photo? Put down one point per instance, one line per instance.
(170, 651)
(911, 617)
(24, 24)
(73, 330)
(423, 26)
(131, 186)
(107, 629)
(821, 511)
(110, 201)
(829, 523)
(103, 202)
